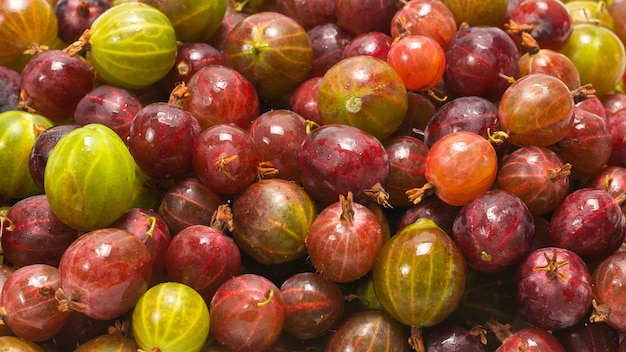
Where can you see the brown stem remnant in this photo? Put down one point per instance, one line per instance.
(222, 219)
(502, 331)
(417, 194)
(378, 193)
(600, 313)
(34, 49)
(583, 92)
(221, 163)
(552, 266)
(416, 340)
(559, 172)
(479, 332)
(79, 45)
(119, 328)
(530, 43)
(179, 94)
(515, 28)
(266, 170)
(68, 303)
(347, 211)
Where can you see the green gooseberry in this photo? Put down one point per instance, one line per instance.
(170, 317)
(90, 177)
(133, 45)
(419, 277)
(18, 133)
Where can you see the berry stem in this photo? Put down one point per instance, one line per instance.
(268, 300)
(378, 193)
(417, 194)
(502, 331)
(222, 219)
(347, 211)
(600, 313)
(179, 94)
(266, 170)
(416, 339)
(515, 28)
(497, 137)
(552, 267)
(530, 44)
(221, 165)
(583, 92)
(559, 172)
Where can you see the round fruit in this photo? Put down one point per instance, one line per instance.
(363, 92)
(161, 139)
(420, 275)
(271, 220)
(459, 167)
(344, 240)
(219, 94)
(419, 60)
(111, 106)
(19, 131)
(363, 16)
(171, 317)
(478, 13)
(590, 44)
(479, 60)
(538, 109)
(336, 159)
(588, 222)
(193, 21)
(34, 235)
(76, 16)
(53, 82)
(188, 202)
(226, 158)
(313, 305)
(16, 344)
(103, 273)
(21, 24)
(202, 257)
(109, 343)
(151, 229)
(537, 175)
(553, 288)
(369, 330)
(29, 307)
(248, 313)
(272, 51)
(494, 231)
(90, 177)
(132, 45)
(425, 17)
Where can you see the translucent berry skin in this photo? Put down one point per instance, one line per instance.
(53, 83)
(420, 275)
(163, 304)
(494, 231)
(162, 138)
(225, 158)
(476, 60)
(538, 109)
(461, 166)
(123, 50)
(248, 313)
(588, 222)
(553, 288)
(336, 159)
